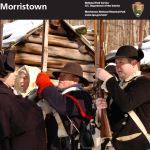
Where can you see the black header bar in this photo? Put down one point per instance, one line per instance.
(75, 9)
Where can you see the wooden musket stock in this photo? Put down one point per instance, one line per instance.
(105, 126)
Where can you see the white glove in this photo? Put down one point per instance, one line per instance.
(102, 74)
(101, 103)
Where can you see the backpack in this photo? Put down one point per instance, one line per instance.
(85, 134)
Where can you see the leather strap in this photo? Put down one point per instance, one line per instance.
(83, 114)
(139, 123)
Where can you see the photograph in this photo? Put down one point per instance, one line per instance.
(75, 79)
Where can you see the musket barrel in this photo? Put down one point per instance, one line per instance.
(105, 126)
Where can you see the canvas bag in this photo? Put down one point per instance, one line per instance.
(85, 135)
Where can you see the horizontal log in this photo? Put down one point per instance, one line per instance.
(55, 63)
(29, 48)
(90, 32)
(53, 41)
(64, 43)
(57, 37)
(57, 32)
(69, 53)
(88, 41)
(54, 51)
(31, 59)
(90, 38)
(88, 68)
(83, 49)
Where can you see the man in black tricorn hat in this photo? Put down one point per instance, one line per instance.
(65, 120)
(130, 100)
(21, 121)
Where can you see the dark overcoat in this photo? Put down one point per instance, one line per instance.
(64, 106)
(135, 96)
(21, 123)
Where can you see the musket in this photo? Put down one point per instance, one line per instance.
(105, 126)
(45, 45)
(140, 34)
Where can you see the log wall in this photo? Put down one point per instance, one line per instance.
(61, 49)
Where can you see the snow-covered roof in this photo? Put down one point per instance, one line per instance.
(83, 39)
(15, 31)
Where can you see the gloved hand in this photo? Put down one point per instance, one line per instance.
(102, 74)
(42, 81)
(101, 103)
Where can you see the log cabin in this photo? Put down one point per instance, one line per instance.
(65, 44)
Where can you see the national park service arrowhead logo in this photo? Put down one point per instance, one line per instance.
(138, 9)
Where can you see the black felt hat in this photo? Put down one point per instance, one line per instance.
(74, 69)
(7, 62)
(129, 52)
(125, 51)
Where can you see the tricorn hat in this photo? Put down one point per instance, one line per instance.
(7, 62)
(74, 69)
(129, 52)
